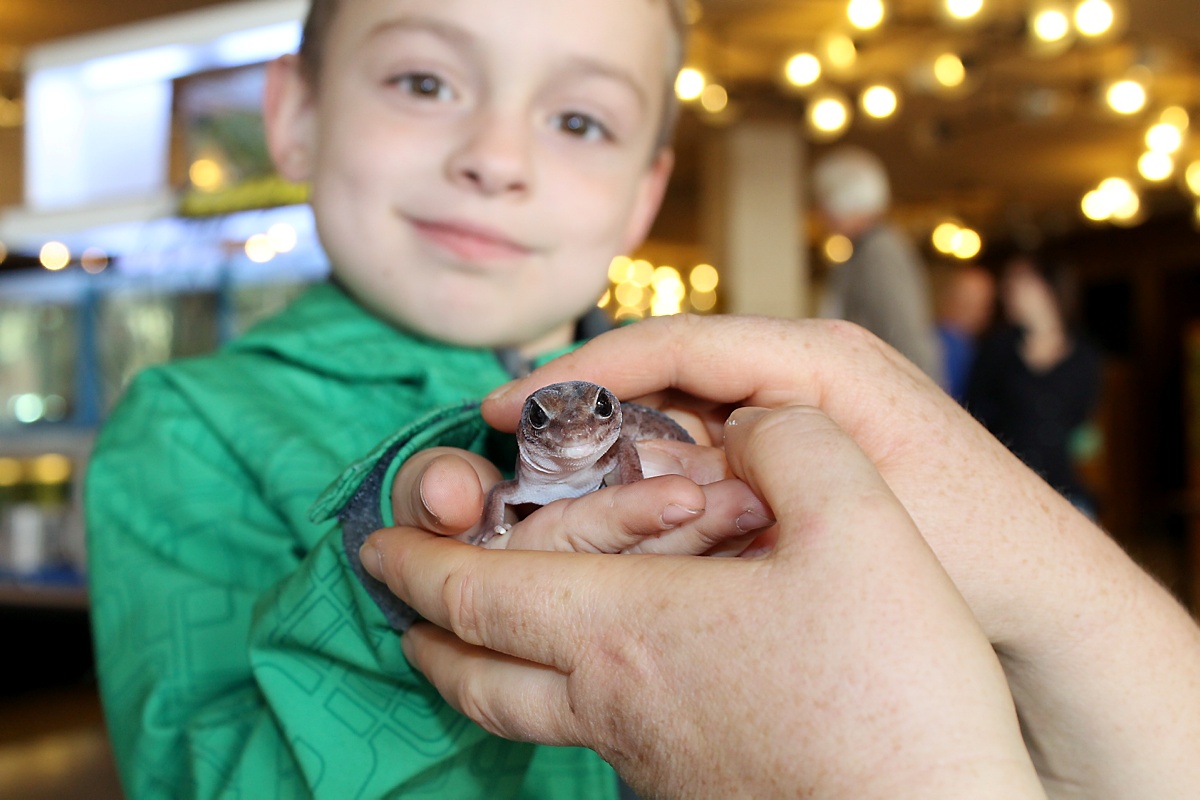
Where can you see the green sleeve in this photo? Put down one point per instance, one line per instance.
(236, 660)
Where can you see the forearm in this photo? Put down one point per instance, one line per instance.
(1109, 689)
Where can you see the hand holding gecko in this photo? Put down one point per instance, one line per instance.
(1088, 641)
(573, 438)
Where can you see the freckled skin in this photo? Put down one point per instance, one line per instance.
(574, 437)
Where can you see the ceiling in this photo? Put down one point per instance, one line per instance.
(1012, 155)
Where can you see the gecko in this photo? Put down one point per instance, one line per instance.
(572, 438)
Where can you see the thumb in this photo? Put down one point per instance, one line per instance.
(808, 471)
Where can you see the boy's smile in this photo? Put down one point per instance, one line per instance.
(476, 164)
(470, 243)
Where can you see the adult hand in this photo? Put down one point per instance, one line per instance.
(1101, 660)
(688, 505)
(841, 664)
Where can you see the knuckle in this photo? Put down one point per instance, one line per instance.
(460, 600)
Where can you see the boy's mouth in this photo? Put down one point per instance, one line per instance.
(469, 242)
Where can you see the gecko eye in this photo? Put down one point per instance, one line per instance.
(537, 416)
(604, 404)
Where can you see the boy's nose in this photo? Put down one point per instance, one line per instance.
(494, 159)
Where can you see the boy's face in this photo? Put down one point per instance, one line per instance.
(476, 164)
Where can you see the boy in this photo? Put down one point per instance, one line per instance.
(475, 165)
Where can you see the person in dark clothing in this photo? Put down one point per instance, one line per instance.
(1036, 380)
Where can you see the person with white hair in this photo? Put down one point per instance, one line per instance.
(884, 286)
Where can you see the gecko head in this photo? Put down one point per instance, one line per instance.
(575, 420)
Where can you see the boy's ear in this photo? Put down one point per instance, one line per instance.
(649, 198)
(289, 119)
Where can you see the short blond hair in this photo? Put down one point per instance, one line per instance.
(321, 14)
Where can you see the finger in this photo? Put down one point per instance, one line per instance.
(480, 594)
(441, 489)
(807, 468)
(699, 464)
(506, 696)
(726, 360)
(666, 515)
(608, 520)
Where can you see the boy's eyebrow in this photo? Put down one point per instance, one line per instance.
(590, 66)
(464, 39)
(437, 27)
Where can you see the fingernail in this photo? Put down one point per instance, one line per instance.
(372, 560)
(499, 392)
(406, 646)
(752, 521)
(745, 415)
(675, 515)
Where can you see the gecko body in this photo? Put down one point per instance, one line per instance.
(573, 437)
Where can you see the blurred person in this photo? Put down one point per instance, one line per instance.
(1036, 378)
(884, 286)
(965, 307)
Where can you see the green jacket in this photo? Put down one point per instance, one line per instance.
(238, 653)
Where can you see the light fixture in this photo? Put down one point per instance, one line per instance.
(963, 9)
(802, 69)
(1192, 176)
(54, 256)
(1094, 17)
(714, 98)
(689, 83)
(1050, 24)
(879, 101)
(948, 70)
(1114, 199)
(1155, 165)
(1126, 96)
(865, 14)
(1164, 138)
(1176, 117)
(838, 249)
(828, 115)
(93, 260)
(838, 52)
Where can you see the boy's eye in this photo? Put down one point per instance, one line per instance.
(423, 84)
(581, 126)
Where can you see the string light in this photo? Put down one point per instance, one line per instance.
(963, 9)
(879, 101)
(802, 69)
(828, 115)
(689, 84)
(54, 256)
(865, 14)
(1050, 25)
(1156, 165)
(1094, 17)
(949, 71)
(1126, 96)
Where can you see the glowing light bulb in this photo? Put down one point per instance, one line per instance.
(1164, 138)
(1126, 96)
(828, 116)
(1051, 25)
(879, 101)
(865, 14)
(949, 71)
(704, 278)
(802, 69)
(838, 249)
(1156, 166)
(689, 84)
(54, 256)
(963, 9)
(1192, 176)
(944, 235)
(1094, 17)
(714, 98)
